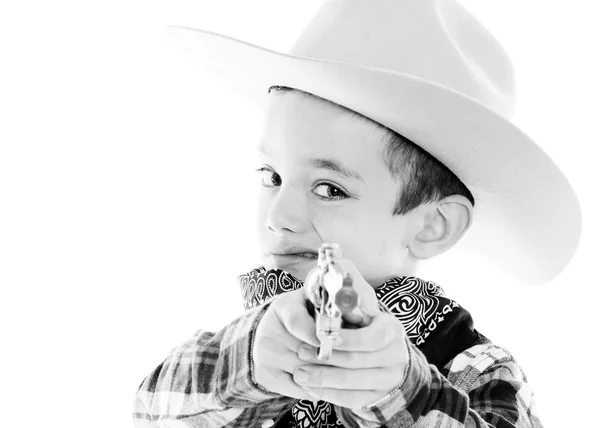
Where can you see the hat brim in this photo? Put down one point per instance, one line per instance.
(527, 217)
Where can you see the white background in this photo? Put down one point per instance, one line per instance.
(126, 199)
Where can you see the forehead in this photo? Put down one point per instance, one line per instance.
(300, 125)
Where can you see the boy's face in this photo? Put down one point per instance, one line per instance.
(324, 180)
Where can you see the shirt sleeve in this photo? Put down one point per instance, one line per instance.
(484, 387)
(208, 382)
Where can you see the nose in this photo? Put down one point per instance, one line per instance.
(289, 212)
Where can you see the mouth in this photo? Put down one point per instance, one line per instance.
(291, 259)
(294, 256)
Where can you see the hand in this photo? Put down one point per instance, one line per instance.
(283, 328)
(367, 365)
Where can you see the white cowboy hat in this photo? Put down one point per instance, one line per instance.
(428, 70)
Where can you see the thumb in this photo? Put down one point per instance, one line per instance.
(362, 300)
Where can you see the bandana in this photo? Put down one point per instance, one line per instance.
(437, 325)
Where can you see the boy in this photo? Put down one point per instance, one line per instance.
(383, 142)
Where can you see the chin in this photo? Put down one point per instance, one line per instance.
(299, 272)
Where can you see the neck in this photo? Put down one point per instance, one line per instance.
(408, 269)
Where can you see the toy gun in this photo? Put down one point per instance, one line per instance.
(330, 290)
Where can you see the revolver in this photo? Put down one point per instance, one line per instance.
(332, 295)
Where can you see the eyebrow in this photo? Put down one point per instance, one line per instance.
(337, 167)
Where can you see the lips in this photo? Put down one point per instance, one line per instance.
(294, 256)
(293, 251)
(291, 257)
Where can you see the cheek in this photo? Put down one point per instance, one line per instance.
(265, 201)
(262, 208)
(362, 235)
(340, 227)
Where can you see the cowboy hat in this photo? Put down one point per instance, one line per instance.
(429, 71)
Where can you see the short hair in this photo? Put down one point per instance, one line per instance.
(425, 178)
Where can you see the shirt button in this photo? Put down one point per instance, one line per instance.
(268, 423)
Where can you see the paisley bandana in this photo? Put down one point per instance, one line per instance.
(437, 325)
(260, 286)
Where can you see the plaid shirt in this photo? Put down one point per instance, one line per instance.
(208, 382)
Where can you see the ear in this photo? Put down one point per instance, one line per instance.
(445, 222)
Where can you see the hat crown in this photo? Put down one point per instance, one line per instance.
(437, 40)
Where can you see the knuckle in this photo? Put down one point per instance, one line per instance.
(342, 378)
(266, 343)
(292, 315)
(352, 360)
(378, 339)
(348, 264)
(390, 359)
(393, 327)
(292, 322)
(318, 377)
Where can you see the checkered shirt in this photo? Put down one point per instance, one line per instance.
(207, 382)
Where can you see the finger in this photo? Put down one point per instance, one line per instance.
(358, 317)
(283, 383)
(271, 355)
(367, 299)
(347, 399)
(277, 374)
(284, 359)
(379, 334)
(273, 343)
(355, 317)
(316, 376)
(353, 359)
(293, 314)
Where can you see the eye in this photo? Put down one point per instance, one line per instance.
(269, 178)
(329, 192)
